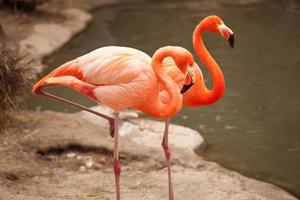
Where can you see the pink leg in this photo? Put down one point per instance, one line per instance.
(39, 91)
(165, 145)
(117, 164)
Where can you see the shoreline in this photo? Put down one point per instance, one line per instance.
(216, 181)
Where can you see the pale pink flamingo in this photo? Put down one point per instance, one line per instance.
(120, 78)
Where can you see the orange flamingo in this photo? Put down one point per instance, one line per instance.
(122, 77)
(199, 94)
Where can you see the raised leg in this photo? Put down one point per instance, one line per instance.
(165, 145)
(41, 92)
(117, 164)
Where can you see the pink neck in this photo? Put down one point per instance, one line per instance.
(217, 90)
(163, 110)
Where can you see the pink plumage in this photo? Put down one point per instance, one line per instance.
(122, 77)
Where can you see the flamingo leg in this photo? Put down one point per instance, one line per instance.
(41, 92)
(165, 145)
(117, 164)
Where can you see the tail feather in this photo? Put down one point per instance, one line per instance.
(68, 75)
(68, 69)
(72, 82)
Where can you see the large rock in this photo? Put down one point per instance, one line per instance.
(146, 132)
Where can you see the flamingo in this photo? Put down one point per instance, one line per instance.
(123, 77)
(199, 94)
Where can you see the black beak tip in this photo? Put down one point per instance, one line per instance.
(183, 90)
(231, 40)
(186, 88)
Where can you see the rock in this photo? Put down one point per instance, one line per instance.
(102, 160)
(71, 155)
(95, 119)
(148, 132)
(50, 157)
(151, 133)
(82, 169)
(127, 128)
(78, 157)
(127, 114)
(89, 163)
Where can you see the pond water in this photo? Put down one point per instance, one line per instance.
(255, 128)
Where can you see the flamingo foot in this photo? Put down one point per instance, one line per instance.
(168, 162)
(117, 170)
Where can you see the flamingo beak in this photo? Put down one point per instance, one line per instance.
(231, 40)
(227, 33)
(186, 87)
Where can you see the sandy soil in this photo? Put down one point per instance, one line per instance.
(63, 156)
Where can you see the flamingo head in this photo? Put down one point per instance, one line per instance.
(185, 62)
(189, 80)
(215, 24)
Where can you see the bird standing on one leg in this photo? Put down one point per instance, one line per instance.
(121, 77)
(199, 94)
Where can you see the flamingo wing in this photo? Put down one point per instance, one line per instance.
(113, 65)
(123, 76)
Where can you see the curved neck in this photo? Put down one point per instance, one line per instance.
(164, 110)
(214, 94)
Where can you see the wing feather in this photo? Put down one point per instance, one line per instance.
(113, 65)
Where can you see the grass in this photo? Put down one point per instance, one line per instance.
(23, 5)
(16, 79)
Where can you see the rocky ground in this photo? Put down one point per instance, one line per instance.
(69, 156)
(50, 155)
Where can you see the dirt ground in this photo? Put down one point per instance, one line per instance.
(62, 156)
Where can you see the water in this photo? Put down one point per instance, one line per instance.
(255, 128)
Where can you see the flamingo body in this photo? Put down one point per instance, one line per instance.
(118, 77)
